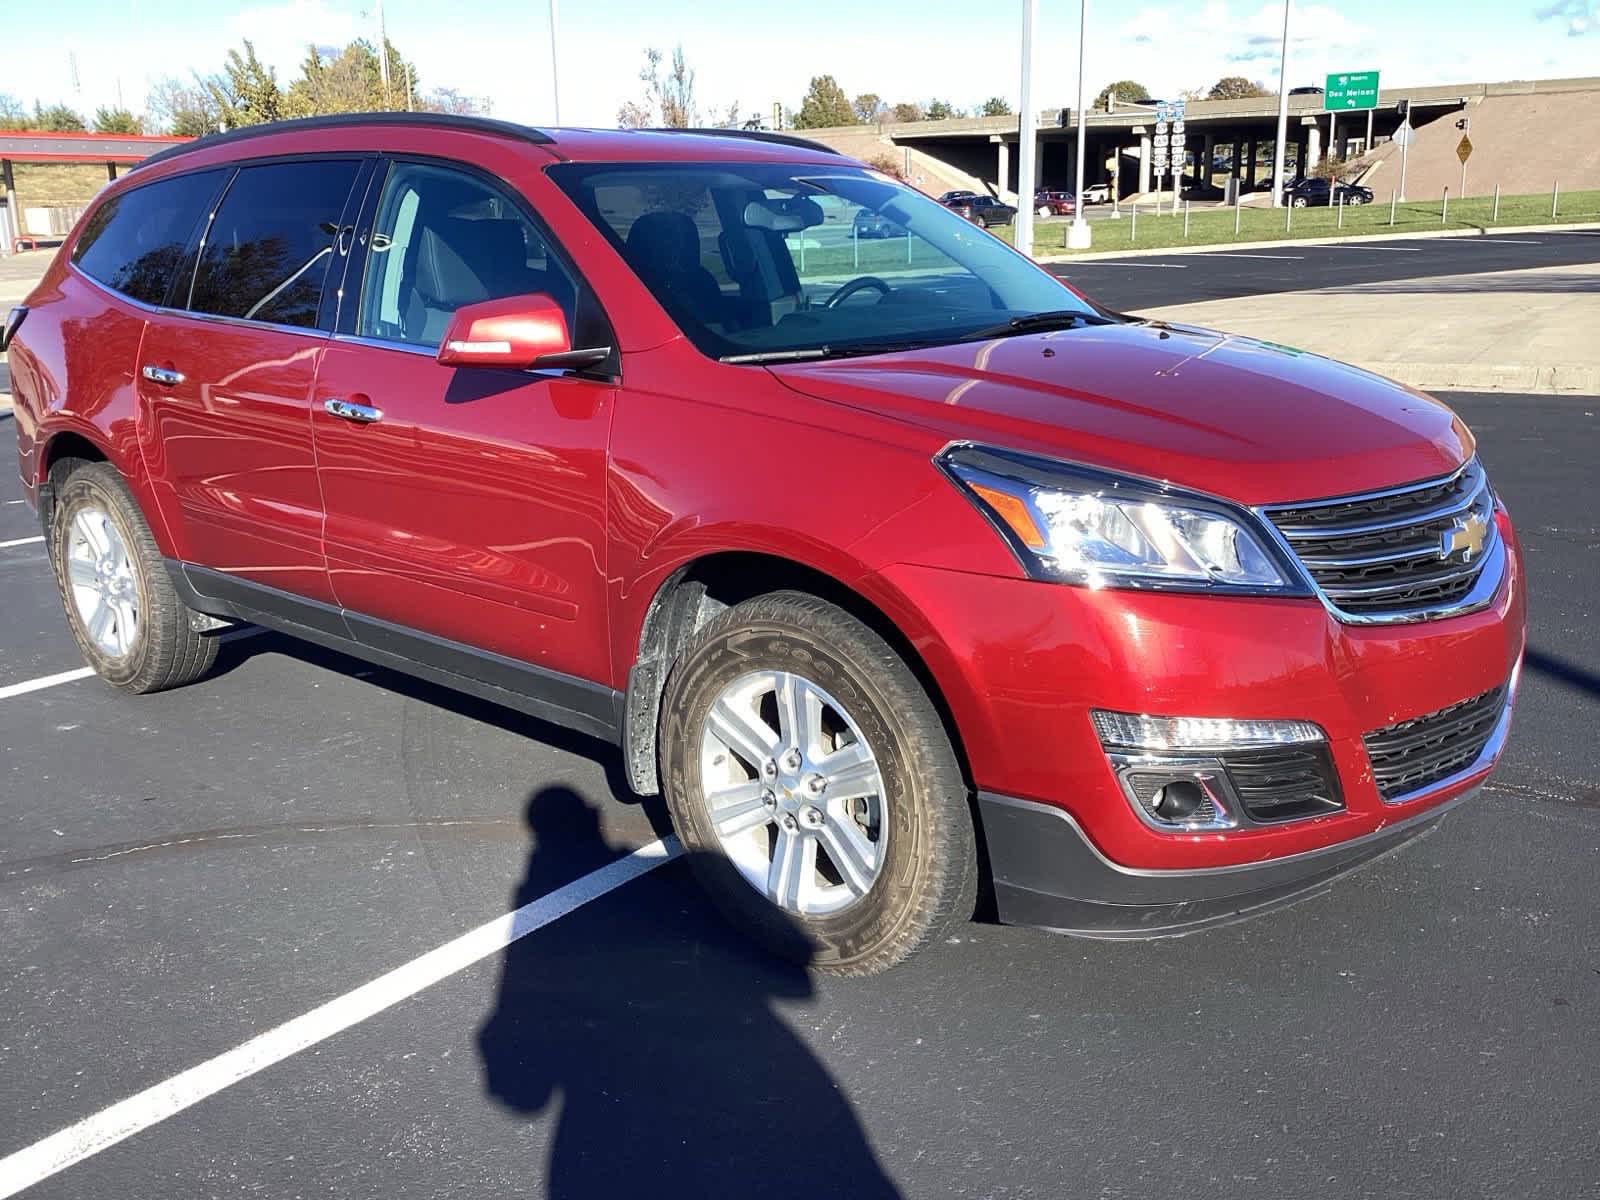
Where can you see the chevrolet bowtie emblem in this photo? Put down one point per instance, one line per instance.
(1465, 538)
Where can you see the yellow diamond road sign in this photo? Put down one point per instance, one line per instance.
(1464, 149)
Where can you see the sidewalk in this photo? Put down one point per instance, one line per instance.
(1507, 331)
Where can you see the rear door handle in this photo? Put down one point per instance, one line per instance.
(364, 414)
(162, 375)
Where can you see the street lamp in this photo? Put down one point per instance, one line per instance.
(1078, 234)
(1023, 226)
(555, 58)
(1283, 114)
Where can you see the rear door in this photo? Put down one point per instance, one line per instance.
(225, 385)
(472, 507)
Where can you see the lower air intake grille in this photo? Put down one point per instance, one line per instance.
(1283, 783)
(1411, 755)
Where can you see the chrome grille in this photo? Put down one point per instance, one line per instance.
(1400, 554)
(1411, 755)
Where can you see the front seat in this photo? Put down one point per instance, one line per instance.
(462, 261)
(664, 247)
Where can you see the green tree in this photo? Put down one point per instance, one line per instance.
(1122, 89)
(825, 105)
(246, 93)
(450, 100)
(116, 120)
(995, 106)
(942, 110)
(13, 115)
(1235, 87)
(869, 108)
(908, 111)
(350, 81)
(58, 118)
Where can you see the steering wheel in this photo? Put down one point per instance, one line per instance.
(859, 283)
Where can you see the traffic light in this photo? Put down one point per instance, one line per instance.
(1402, 109)
(1464, 124)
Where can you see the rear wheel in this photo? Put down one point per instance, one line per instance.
(811, 779)
(122, 608)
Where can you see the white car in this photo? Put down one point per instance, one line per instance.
(1097, 193)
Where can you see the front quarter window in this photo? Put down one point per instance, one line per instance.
(761, 260)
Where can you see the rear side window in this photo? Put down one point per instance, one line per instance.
(134, 242)
(266, 254)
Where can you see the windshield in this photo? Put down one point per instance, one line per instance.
(756, 260)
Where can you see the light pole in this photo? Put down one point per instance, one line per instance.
(555, 59)
(1026, 132)
(1078, 234)
(1283, 114)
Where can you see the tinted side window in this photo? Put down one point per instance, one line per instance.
(441, 239)
(267, 252)
(134, 242)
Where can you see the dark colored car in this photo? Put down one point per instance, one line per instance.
(950, 197)
(869, 224)
(1305, 193)
(891, 577)
(983, 210)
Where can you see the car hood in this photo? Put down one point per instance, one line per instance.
(1250, 420)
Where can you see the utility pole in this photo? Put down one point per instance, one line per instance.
(383, 55)
(1283, 114)
(1027, 132)
(555, 59)
(1078, 233)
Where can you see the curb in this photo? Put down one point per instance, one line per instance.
(1561, 380)
(1151, 251)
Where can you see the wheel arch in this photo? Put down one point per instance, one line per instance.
(706, 585)
(57, 451)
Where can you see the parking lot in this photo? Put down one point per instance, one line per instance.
(186, 872)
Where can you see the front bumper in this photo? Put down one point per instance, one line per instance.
(1022, 663)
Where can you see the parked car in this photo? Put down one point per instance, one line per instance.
(1312, 192)
(1097, 193)
(983, 210)
(869, 224)
(868, 579)
(1306, 91)
(952, 197)
(1054, 204)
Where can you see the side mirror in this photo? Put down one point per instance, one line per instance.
(513, 333)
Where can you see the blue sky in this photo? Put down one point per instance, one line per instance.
(754, 51)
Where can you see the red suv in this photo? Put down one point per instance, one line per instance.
(897, 566)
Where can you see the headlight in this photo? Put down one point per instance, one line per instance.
(1074, 525)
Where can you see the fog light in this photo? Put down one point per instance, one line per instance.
(1178, 801)
(1178, 773)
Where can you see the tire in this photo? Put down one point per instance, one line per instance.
(1299, 202)
(921, 852)
(149, 643)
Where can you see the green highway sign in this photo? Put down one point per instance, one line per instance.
(1351, 89)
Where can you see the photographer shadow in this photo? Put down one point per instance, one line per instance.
(654, 1024)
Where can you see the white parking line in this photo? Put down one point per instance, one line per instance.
(1236, 254)
(1162, 266)
(109, 1126)
(1372, 246)
(1504, 241)
(21, 542)
(11, 690)
(47, 681)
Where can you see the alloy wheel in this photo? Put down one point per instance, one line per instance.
(794, 793)
(104, 589)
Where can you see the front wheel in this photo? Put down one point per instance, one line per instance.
(812, 781)
(1299, 202)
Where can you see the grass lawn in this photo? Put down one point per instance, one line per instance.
(1213, 226)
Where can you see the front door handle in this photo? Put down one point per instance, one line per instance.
(363, 414)
(162, 375)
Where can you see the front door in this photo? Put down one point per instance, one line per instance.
(469, 503)
(226, 386)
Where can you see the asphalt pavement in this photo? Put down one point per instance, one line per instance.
(1149, 280)
(179, 873)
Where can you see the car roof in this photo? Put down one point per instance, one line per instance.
(571, 145)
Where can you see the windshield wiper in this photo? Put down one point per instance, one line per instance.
(817, 352)
(1061, 318)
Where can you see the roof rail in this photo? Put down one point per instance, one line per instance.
(429, 120)
(758, 135)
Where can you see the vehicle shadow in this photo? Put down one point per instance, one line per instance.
(1561, 672)
(648, 1024)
